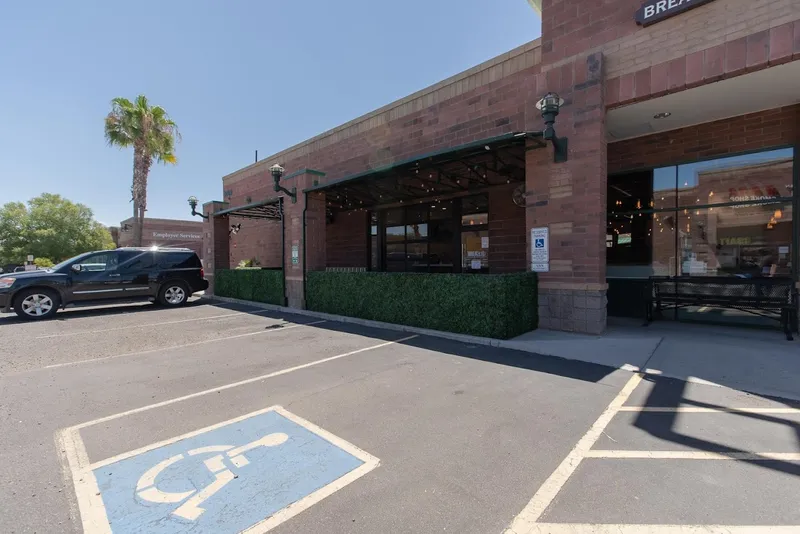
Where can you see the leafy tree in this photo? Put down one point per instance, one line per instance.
(152, 134)
(49, 227)
(43, 263)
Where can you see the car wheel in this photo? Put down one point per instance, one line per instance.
(173, 294)
(35, 303)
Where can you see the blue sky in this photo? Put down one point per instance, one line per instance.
(235, 76)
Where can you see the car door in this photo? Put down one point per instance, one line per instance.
(136, 269)
(97, 277)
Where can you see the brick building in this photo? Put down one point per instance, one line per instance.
(164, 232)
(682, 120)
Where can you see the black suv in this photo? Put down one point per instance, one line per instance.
(165, 275)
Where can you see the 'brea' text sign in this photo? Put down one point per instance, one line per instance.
(657, 10)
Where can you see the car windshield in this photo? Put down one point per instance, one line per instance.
(67, 262)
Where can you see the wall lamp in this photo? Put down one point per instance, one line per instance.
(193, 204)
(550, 105)
(235, 228)
(125, 227)
(277, 173)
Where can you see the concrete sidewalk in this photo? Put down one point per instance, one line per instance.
(756, 361)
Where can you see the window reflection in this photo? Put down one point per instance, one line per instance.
(741, 241)
(765, 176)
(725, 217)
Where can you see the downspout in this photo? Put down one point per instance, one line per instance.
(283, 252)
(305, 269)
(795, 257)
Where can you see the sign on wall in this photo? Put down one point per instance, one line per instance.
(176, 235)
(295, 254)
(540, 250)
(657, 10)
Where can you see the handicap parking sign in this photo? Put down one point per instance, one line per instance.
(539, 243)
(248, 475)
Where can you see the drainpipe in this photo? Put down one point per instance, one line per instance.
(283, 252)
(305, 269)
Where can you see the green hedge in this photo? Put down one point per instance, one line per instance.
(257, 285)
(496, 306)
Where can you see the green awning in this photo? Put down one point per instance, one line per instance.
(479, 164)
(265, 209)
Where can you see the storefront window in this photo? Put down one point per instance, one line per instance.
(374, 247)
(725, 217)
(744, 241)
(430, 237)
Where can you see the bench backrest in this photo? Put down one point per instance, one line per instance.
(724, 288)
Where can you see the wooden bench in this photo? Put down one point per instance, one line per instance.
(764, 297)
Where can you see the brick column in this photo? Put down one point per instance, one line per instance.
(570, 199)
(309, 245)
(216, 244)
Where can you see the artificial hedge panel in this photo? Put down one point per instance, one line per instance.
(497, 306)
(257, 285)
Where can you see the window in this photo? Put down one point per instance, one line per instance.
(135, 260)
(431, 237)
(374, 248)
(475, 234)
(178, 260)
(96, 263)
(724, 217)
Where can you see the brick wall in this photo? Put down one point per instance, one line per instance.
(571, 27)
(715, 23)
(507, 232)
(258, 239)
(346, 240)
(172, 233)
(492, 99)
(777, 127)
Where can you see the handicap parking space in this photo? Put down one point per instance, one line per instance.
(328, 427)
(252, 473)
(670, 456)
(451, 424)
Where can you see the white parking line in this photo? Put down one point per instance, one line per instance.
(148, 325)
(698, 409)
(575, 528)
(694, 455)
(173, 347)
(242, 382)
(75, 459)
(527, 521)
(548, 491)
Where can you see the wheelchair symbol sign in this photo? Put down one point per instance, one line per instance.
(249, 475)
(539, 243)
(191, 510)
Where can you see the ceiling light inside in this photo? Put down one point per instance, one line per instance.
(662, 115)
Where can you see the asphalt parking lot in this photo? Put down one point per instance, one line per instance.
(223, 418)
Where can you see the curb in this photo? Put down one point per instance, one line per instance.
(489, 342)
(465, 338)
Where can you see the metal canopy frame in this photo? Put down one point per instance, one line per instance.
(271, 209)
(454, 171)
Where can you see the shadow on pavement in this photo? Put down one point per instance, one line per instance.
(671, 393)
(584, 371)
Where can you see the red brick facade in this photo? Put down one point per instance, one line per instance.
(165, 232)
(597, 58)
(773, 128)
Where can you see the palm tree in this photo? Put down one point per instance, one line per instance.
(153, 135)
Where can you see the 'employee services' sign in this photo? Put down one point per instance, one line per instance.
(657, 10)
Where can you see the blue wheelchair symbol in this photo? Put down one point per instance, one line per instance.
(539, 243)
(225, 480)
